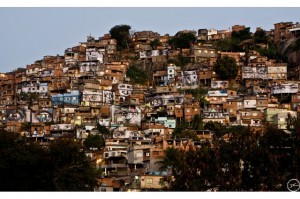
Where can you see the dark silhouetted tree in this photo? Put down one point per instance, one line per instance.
(72, 171)
(27, 166)
(94, 141)
(136, 75)
(260, 36)
(226, 68)
(155, 43)
(121, 33)
(183, 40)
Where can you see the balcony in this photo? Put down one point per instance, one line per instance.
(110, 154)
(111, 166)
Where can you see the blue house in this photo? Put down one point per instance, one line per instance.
(66, 98)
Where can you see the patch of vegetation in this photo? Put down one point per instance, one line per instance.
(136, 75)
(226, 68)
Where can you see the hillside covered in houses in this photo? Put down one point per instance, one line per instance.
(205, 110)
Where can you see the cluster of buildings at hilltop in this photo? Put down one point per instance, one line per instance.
(61, 97)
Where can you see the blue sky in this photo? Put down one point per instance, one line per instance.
(28, 34)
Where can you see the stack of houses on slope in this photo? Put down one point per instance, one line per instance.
(60, 97)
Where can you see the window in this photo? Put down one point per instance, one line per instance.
(74, 98)
(149, 180)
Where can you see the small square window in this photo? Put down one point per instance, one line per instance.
(149, 180)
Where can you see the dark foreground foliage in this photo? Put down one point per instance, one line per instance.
(244, 162)
(26, 166)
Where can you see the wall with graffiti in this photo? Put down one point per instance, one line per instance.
(284, 88)
(43, 115)
(256, 72)
(126, 115)
(93, 54)
(88, 66)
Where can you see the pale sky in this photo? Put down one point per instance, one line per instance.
(28, 34)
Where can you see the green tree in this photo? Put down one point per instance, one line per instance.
(242, 34)
(27, 166)
(246, 162)
(155, 43)
(294, 127)
(183, 40)
(182, 61)
(23, 166)
(72, 171)
(169, 161)
(216, 127)
(94, 141)
(197, 123)
(121, 33)
(235, 42)
(277, 157)
(260, 36)
(226, 68)
(103, 130)
(228, 44)
(193, 170)
(272, 52)
(186, 133)
(136, 75)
